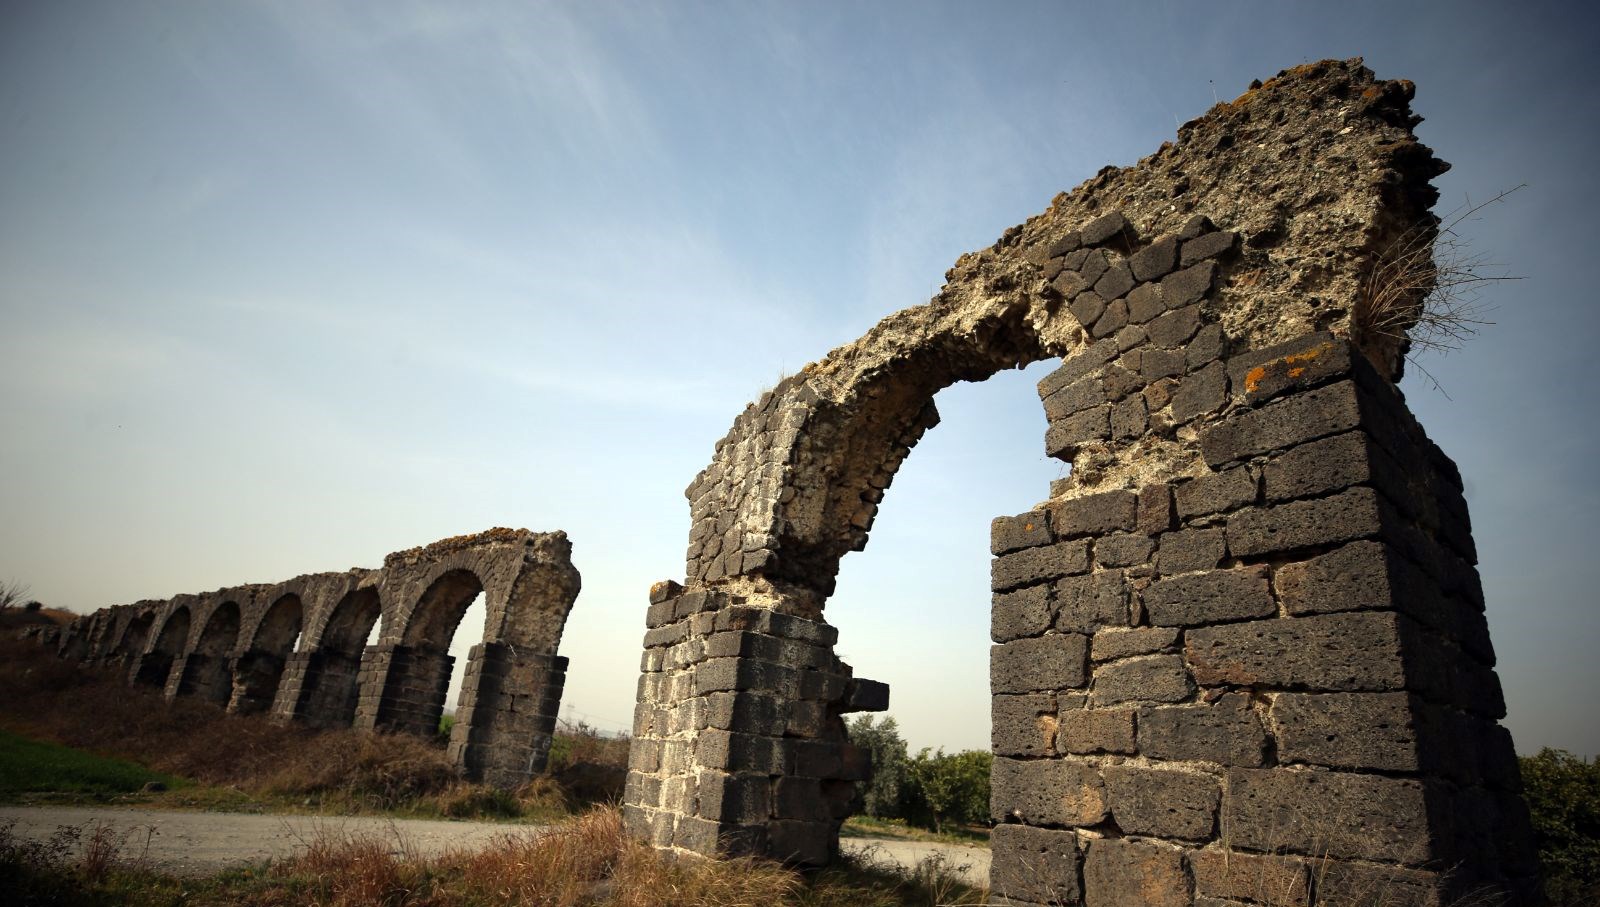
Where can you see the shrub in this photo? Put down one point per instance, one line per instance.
(949, 788)
(884, 793)
(1563, 794)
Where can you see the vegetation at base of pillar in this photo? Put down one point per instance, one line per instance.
(932, 790)
(586, 860)
(1563, 794)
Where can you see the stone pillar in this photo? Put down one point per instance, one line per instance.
(507, 717)
(739, 743)
(1270, 682)
(319, 688)
(403, 688)
(152, 669)
(206, 677)
(256, 676)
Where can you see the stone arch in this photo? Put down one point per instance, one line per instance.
(155, 666)
(207, 670)
(418, 675)
(135, 634)
(325, 688)
(1188, 596)
(266, 647)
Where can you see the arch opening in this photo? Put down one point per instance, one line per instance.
(418, 678)
(330, 686)
(155, 666)
(259, 669)
(207, 669)
(135, 636)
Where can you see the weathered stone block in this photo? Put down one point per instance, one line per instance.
(800, 843)
(1112, 642)
(1047, 792)
(1087, 306)
(1212, 597)
(1334, 814)
(1145, 303)
(1025, 612)
(1113, 284)
(862, 695)
(1209, 245)
(1155, 514)
(1347, 730)
(1084, 731)
(1155, 260)
(1122, 873)
(1032, 565)
(744, 799)
(1123, 550)
(1084, 603)
(1158, 363)
(1330, 464)
(1023, 725)
(1188, 286)
(1093, 514)
(1105, 228)
(1296, 365)
(1055, 662)
(1215, 493)
(1075, 398)
(1332, 652)
(1036, 865)
(1203, 391)
(798, 798)
(1351, 514)
(1079, 364)
(1153, 678)
(1352, 578)
(1285, 423)
(1129, 418)
(1175, 328)
(1065, 436)
(1226, 731)
(1191, 549)
(1163, 803)
(1207, 345)
(735, 752)
(1265, 879)
(1010, 533)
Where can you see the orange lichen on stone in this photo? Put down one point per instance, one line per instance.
(1254, 377)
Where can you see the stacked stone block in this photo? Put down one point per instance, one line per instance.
(1266, 682)
(257, 677)
(403, 688)
(320, 688)
(507, 720)
(739, 743)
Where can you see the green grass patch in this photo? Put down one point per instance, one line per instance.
(35, 767)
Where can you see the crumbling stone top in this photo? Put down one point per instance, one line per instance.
(1303, 182)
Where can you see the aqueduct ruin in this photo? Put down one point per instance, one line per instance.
(237, 646)
(1240, 653)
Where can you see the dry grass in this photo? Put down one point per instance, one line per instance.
(248, 756)
(1424, 288)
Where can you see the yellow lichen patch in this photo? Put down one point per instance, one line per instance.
(1288, 364)
(1027, 527)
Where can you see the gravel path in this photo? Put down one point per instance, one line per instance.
(195, 843)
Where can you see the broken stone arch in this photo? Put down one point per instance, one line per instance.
(1243, 641)
(297, 649)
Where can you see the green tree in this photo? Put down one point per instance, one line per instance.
(883, 793)
(1563, 794)
(949, 788)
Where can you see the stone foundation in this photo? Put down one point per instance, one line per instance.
(507, 718)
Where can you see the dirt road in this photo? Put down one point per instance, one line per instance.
(200, 843)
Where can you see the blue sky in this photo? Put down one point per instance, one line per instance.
(286, 286)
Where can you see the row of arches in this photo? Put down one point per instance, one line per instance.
(368, 648)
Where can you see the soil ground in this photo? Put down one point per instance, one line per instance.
(185, 843)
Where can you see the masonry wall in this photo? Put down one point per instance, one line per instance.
(237, 647)
(1240, 650)
(1271, 681)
